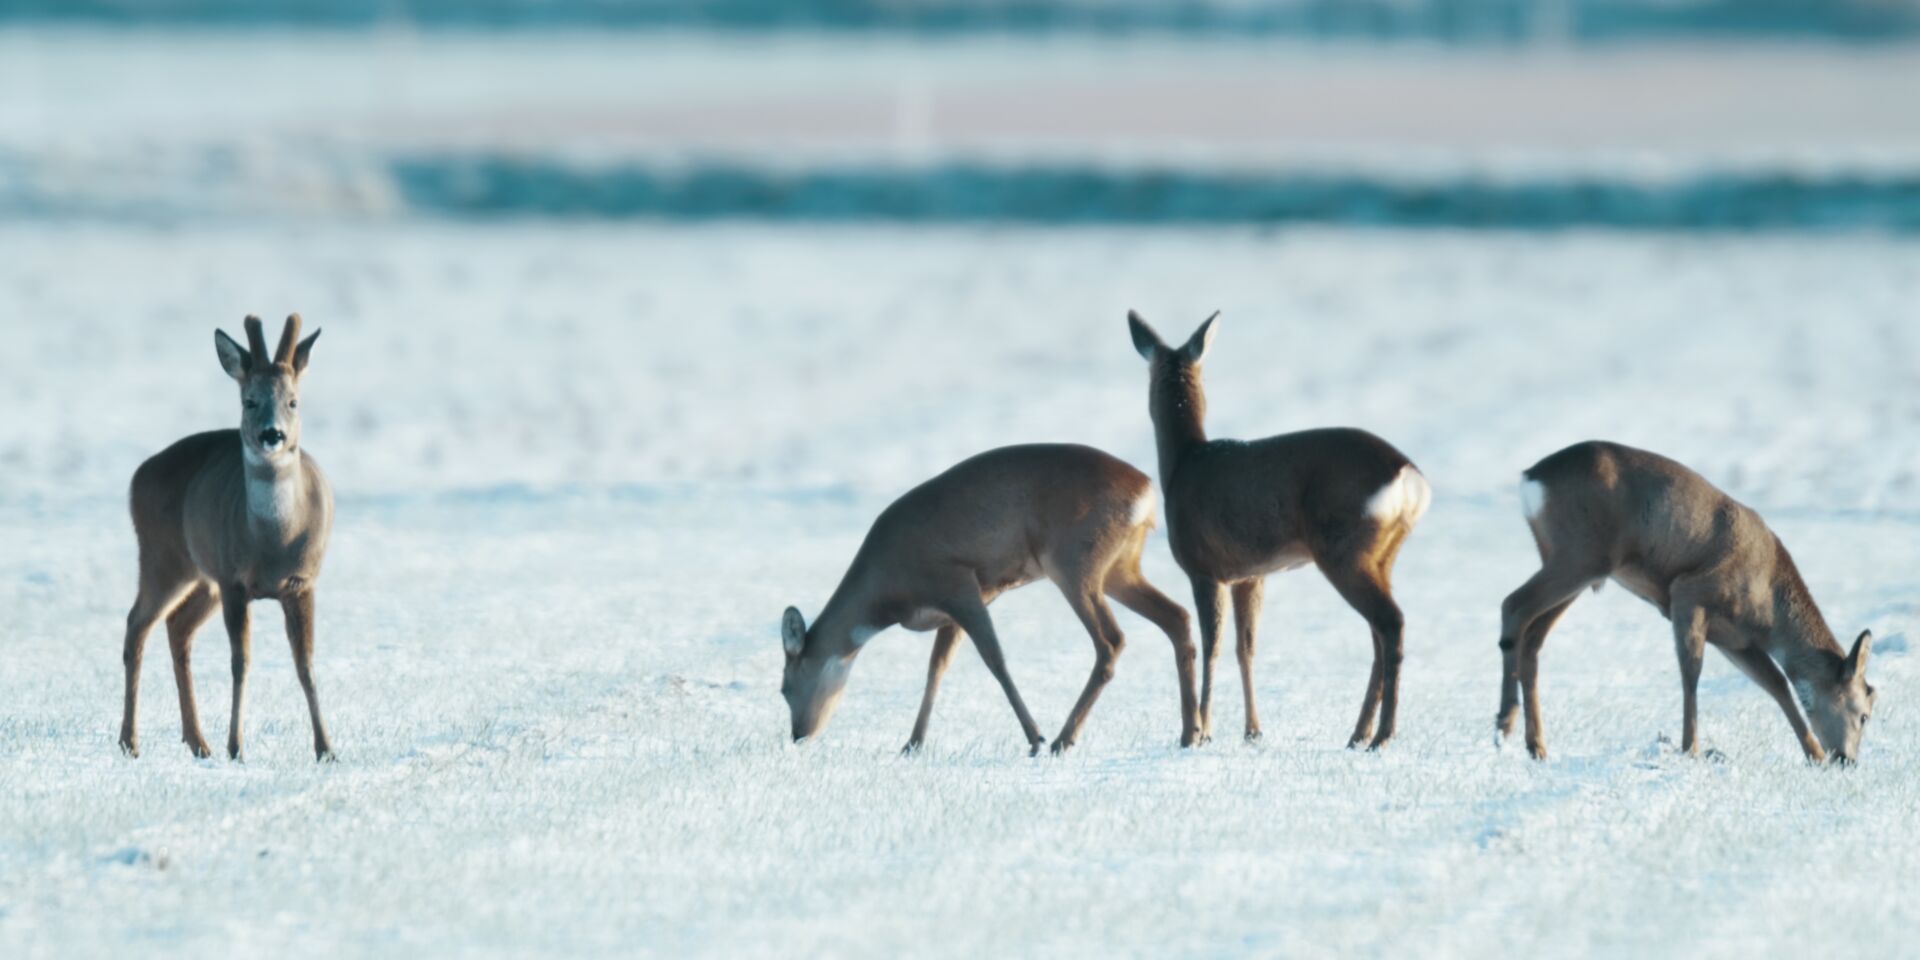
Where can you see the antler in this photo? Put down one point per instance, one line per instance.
(256, 342)
(289, 335)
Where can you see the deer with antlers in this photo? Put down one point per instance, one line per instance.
(227, 517)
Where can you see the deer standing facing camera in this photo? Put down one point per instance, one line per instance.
(228, 517)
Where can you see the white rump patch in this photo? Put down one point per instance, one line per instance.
(1533, 498)
(1142, 512)
(1405, 498)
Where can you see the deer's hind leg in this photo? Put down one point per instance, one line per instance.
(1361, 571)
(1083, 580)
(157, 598)
(1130, 588)
(1550, 590)
(1367, 592)
(181, 624)
(1534, 637)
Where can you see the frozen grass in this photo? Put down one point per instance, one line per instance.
(580, 473)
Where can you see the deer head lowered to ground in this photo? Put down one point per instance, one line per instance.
(937, 556)
(227, 517)
(1707, 562)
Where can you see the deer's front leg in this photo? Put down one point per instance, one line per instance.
(181, 624)
(945, 642)
(1690, 645)
(1754, 662)
(233, 603)
(1209, 604)
(971, 616)
(298, 606)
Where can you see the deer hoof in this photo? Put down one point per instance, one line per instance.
(324, 755)
(1253, 734)
(1538, 751)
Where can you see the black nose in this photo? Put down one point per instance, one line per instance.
(271, 437)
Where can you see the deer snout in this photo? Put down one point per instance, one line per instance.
(272, 438)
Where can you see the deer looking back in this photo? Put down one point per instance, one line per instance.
(1707, 562)
(1341, 499)
(227, 517)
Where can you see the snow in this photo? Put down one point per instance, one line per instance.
(582, 470)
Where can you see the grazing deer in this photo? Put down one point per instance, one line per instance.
(230, 516)
(937, 556)
(1712, 567)
(1341, 499)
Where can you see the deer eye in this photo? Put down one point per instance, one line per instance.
(293, 404)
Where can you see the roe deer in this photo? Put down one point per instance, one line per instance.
(1712, 567)
(226, 517)
(1341, 499)
(937, 556)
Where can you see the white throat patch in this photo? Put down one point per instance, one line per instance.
(272, 499)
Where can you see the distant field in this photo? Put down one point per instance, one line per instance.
(1449, 21)
(211, 125)
(582, 469)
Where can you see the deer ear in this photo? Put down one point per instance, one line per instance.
(1857, 660)
(1144, 339)
(233, 357)
(793, 632)
(301, 352)
(1202, 339)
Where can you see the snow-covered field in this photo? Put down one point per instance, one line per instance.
(580, 472)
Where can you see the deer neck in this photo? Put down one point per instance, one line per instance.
(1803, 644)
(276, 495)
(1179, 410)
(849, 618)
